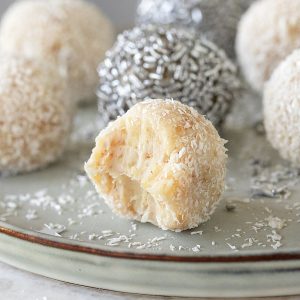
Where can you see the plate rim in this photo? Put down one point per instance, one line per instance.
(60, 243)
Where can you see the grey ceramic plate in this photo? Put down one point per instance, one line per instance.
(54, 224)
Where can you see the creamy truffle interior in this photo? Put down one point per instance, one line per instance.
(133, 164)
(138, 200)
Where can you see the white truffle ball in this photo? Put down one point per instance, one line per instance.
(72, 34)
(268, 32)
(282, 108)
(162, 163)
(35, 115)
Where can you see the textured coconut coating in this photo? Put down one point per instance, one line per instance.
(282, 107)
(162, 163)
(72, 34)
(217, 21)
(35, 115)
(151, 62)
(268, 32)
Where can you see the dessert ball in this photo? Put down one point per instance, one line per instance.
(162, 163)
(35, 115)
(217, 21)
(282, 108)
(72, 34)
(268, 32)
(152, 62)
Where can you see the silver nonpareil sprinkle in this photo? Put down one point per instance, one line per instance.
(215, 19)
(162, 62)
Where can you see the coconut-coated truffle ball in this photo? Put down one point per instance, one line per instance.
(215, 19)
(282, 108)
(162, 163)
(160, 62)
(35, 115)
(268, 32)
(72, 34)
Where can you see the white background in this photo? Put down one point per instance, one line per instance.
(121, 12)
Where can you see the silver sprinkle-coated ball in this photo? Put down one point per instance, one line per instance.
(154, 62)
(217, 20)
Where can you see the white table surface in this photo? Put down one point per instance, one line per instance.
(17, 284)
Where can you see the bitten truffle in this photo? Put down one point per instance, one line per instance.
(162, 163)
(217, 20)
(268, 32)
(72, 34)
(151, 62)
(282, 107)
(35, 115)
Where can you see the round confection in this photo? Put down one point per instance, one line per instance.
(35, 115)
(72, 34)
(217, 21)
(161, 62)
(282, 107)
(162, 163)
(268, 32)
